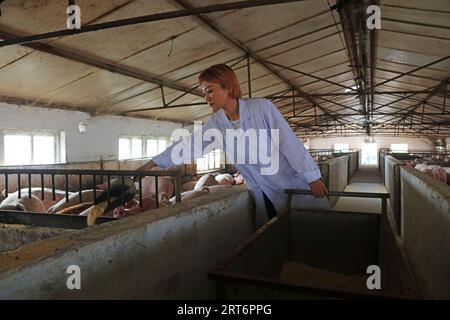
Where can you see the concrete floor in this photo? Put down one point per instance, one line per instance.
(366, 179)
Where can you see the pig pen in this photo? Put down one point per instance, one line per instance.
(334, 174)
(162, 255)
(306, 254)
(393, 186)
(425, 225)
(19, 228)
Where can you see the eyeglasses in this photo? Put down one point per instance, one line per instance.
(207, 91)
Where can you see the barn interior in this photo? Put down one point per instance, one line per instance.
(91, 90)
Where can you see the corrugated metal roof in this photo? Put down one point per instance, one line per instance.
(309, 54)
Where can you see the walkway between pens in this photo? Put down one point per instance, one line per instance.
(366, 179)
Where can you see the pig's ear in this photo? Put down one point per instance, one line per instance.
(20, 207)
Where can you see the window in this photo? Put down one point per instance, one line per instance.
(130, 147)
(124, 148)
(21, 147)
(399, 147)
(138, 147)
(212, 161)
(155, 146)
(341, 147)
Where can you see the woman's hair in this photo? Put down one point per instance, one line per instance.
(223, 75)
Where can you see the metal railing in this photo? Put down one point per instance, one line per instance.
(382, 196)
(121, 174)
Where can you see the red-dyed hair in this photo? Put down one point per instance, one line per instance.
(223, 75)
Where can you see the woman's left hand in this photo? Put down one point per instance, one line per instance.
(318, 189)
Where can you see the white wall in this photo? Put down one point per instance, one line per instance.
(382, 142)
(101, 140)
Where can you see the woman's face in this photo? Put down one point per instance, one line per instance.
(216, 96)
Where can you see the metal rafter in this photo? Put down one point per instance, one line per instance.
(29, 41)
(411, 71)
(236, 43)
(361, 44)
(92, 112)
(104, 64)
(146, 19)
(311, 75)
(432, 93)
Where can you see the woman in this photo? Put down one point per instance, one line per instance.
(295, 167)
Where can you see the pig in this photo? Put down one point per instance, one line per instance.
(187, 195)
(440, 174)
(422, 167)
(224, 179)
(238, 178)
(48, 195)
(165, 188)
(12, 202)
(206, 180)
(86, 196)
(410, 164)
(435, 171)
(132, 207)
(148, 203)
(188, 186)
(165, 185)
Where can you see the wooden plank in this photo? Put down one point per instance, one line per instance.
(423, 16)
(89, 89)
(39, 73)
(438, 5)
(397, 68)
(39, 16)
(411, 28)
(303, 53)
(413, 43)
(11, 54)
(425, 83)
(411, 58)
(268, 18)
(118, 43)
(304, 28)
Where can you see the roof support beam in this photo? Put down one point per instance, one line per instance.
(237, 44)
(412, 71)
(336, 94)
(360, 42)
(430, 92)
(375, 114)
(104, 65)
(41, 104)
(310, 75)
(145, 19)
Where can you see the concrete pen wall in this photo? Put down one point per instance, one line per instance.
(426, 231)
(163, 254)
